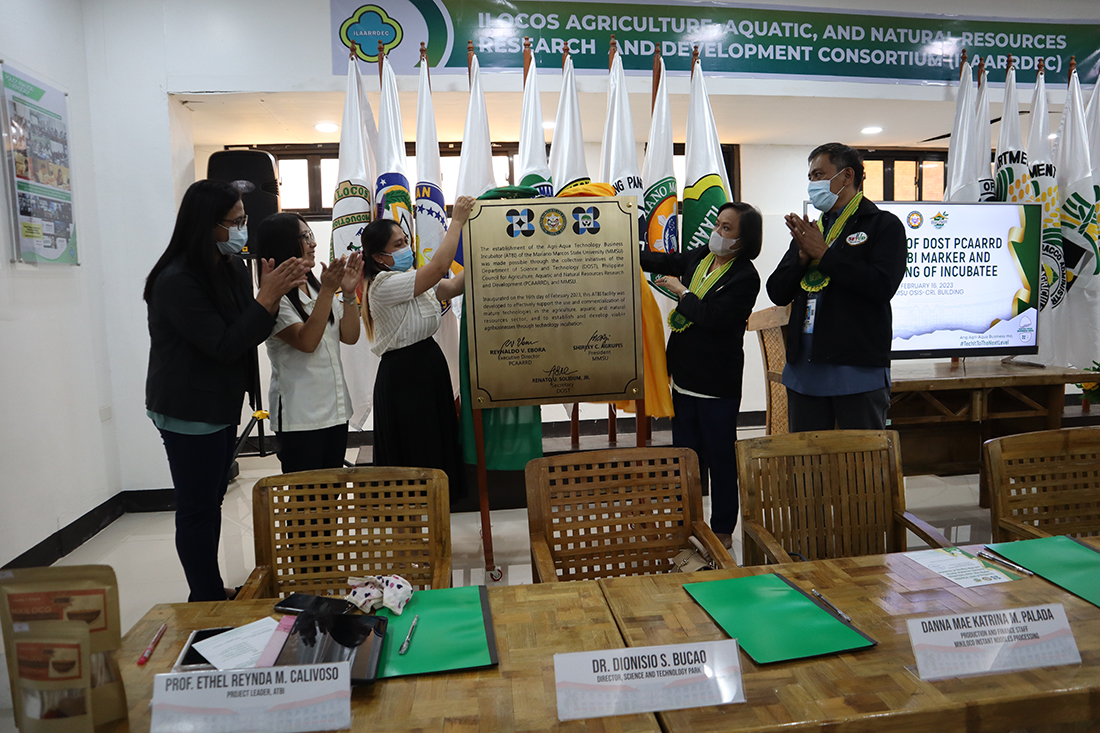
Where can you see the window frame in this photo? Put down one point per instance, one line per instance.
(890, 156)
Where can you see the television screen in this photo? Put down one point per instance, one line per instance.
(971, 284)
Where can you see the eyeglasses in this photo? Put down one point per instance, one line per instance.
(307, 237)
(239, 223)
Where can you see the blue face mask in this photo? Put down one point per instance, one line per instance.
(238, 238)
(821, 194)
(402, 259)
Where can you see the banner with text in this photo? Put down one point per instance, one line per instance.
(732, 40)
(971, 281)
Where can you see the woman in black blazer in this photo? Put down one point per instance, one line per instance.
(204, 326)
(716, 287)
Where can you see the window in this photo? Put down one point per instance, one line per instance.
(904, 175)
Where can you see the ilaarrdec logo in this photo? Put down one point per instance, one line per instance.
(585, 220)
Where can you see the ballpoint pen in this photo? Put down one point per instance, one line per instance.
(1007, 563)
(152, 645)
(405, 646)
(825, 600)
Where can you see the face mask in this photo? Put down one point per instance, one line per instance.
(402, 259)
(721, 246)
(821, 195)
(238, 238)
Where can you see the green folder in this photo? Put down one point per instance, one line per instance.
(1062, 560)
(774, 621)
(455, 631)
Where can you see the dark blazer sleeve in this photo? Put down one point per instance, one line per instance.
(188, 307)
(783, 284)
(877, 277)
(663, 262)
(725, 307)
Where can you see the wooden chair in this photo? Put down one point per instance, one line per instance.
(831, 494)
(607, 513)
(315, 528)
(770, 325)
(1044, 483)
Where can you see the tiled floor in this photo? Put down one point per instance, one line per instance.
(141, 549)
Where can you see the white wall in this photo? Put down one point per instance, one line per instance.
(72, 369)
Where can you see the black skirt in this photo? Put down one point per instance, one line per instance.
(415, 423)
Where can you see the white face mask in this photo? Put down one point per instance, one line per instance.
(821, 194)
(721, 246)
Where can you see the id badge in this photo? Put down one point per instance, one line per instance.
(811, 312)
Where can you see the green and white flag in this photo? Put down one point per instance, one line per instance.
(567, 165)
(619, 158)
(661, 230)
(1012, 172)
(707, 186)
(351, 205)
(531, 166)
(961, 185)
(983, 145)
(1076, 195)
(1044, 190)
(475, 162)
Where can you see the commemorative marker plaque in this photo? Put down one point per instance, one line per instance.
(553, 299)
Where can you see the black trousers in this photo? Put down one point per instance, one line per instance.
(861, 411)
(709, 427)
(308, 450)
(200, 475)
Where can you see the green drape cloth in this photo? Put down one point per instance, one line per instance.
(513, 435)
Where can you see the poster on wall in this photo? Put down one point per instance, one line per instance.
(35, 126)
(971, 281)
(733, 39)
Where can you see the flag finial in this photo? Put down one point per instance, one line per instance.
(962, 62)
(656, 76)
(1011, 62)
(526, 57)
(981, 69)
(694, 58)
(470, 59)
(354, 49)
(423, 52)
(381, 58)
(1072, 65)
(612, 52)
(1042, 67)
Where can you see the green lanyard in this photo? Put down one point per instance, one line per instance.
(701, 282)
(814, 279)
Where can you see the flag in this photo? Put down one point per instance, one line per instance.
(430, 215)
(392, 199)
(1077, 209)
(660, 232)
(1076, 196)
(982, 137)
(1012, 181)
(351, 211)
(1044, 190)
(960, 184)
(351, 206)
(531, 167)
(1092, 125)
(707, 186)
(567, 166)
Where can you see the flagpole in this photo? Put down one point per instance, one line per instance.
(612, 415)
(656, 79)
(694, 59)
(381, 59)
(526, 58)
(479, 432)
(424, 60)
(962, 63)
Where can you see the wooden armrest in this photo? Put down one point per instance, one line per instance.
(542, 562)
(765, 540)
(773, 376)
(441, 574)
(258, 585)
(713, 546)
(1017, 527)
(922, 529)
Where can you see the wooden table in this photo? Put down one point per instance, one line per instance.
(531, 622)
(871, 690)
(945, 411)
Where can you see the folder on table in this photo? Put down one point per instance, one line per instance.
(773, 620)
(1062, 560)
(455, 631)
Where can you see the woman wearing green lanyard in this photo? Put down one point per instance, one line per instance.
(716, 287)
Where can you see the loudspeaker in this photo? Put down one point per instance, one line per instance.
(256, 175)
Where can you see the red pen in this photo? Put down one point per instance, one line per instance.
(152, 645)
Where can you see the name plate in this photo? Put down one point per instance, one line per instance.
(992, 641)
(647, 679)
(283, 699)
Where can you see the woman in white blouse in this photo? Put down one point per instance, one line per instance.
(414, 410)
(310, 404)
